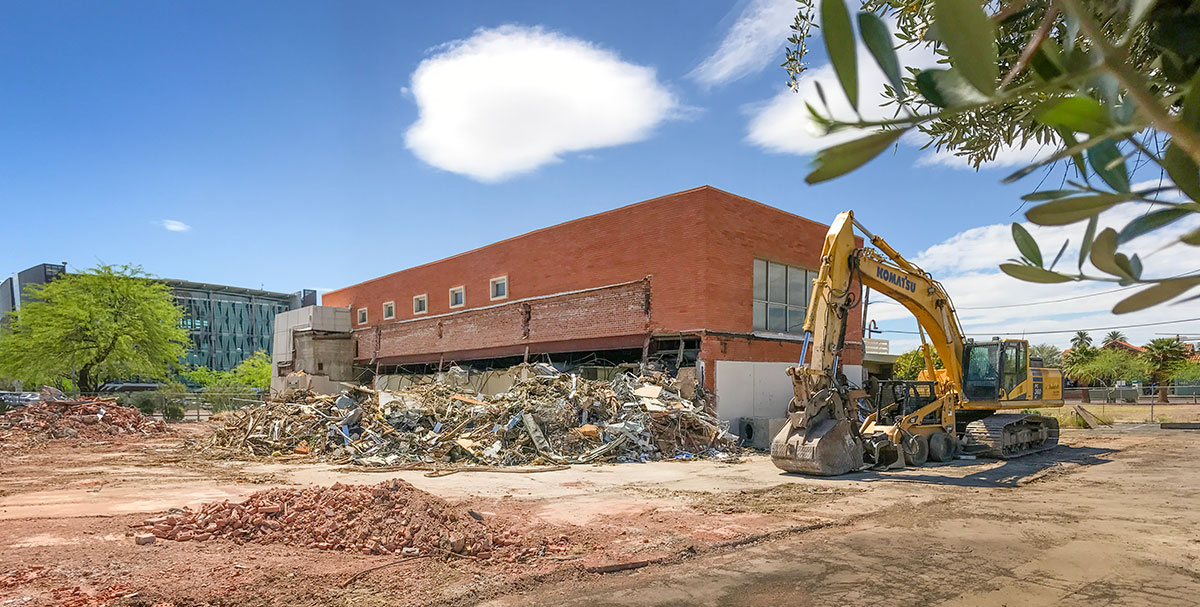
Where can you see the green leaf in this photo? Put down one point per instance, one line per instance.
(1104, 254)
(1070, 210)
(1183, 170)
(1159, 293)
(1192, 238)
(1108, 162)
(1026, 244)
(1150, 222)
(947, 88)
(970, 37)
(1032, 274)
(878, 39)
(1135, 266)
(1048, 195)
(1079, 114)
(1047, 61)
(843, 158)
(839, 44)
(1089, 235)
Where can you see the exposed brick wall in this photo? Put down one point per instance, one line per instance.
(728, 347)
(506, 329)
(698, 246)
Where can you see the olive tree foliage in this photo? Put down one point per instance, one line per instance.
(81, 330)
(1110, 84)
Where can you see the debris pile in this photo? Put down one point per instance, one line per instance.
(392, 517)
(56, 415)
(547, 418)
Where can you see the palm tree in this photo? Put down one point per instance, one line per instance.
(1081, 341)
(1050, 354)
(1162, 354)
(1114, 336)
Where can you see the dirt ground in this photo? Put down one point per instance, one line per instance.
(1106, 518)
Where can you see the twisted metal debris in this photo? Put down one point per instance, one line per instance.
(544, 419)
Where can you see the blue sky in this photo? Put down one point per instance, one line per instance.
(318, 144)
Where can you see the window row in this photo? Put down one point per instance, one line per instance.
(497, 287)
(781, 294)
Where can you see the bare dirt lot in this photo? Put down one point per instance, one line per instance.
(1106, 518)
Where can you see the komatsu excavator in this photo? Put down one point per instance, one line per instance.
(833, 428)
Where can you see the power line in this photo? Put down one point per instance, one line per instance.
(1148, 324)
(1049, 301)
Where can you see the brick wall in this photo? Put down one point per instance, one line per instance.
(594, 316)
(698, 246)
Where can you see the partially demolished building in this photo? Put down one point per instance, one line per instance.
(700, 279)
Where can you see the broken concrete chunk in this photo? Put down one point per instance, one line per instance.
(650, 391)
(144, 539)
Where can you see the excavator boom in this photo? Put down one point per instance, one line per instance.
(825, 434)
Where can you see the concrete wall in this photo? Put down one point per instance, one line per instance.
(316, 340)
(322, 354)
(321, 318)
(752, 389)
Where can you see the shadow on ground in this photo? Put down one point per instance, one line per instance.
(986, 472)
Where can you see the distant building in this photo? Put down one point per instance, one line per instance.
(701, 279)
(225, 324)
(228, 324)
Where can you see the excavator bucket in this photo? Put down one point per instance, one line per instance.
(825, 447)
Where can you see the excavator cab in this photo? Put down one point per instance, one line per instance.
(997, 370)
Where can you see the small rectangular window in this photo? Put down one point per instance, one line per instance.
(389, 310)
(458, 297)
(420, 304)
(499, 287)
(362, 316)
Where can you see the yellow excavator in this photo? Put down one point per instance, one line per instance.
(833, 428)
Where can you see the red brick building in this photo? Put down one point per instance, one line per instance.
(715, 277)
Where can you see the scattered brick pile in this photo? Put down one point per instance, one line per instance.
(57, 416)
(392, 517)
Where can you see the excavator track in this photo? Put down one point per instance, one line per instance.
(1010, 435)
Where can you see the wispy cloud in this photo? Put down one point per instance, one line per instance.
(173, 225)
(511, 99)
(752, 43)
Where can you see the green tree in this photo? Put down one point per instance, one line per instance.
(254, 372)
(1050, 354)
(1081, 340)
(1188, 370)
(911, 363)
(109, 322)
(1108, 84)
(1112, 336)
(1163, 355)
(1111, 366)
(202, 376)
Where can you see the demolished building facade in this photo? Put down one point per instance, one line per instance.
(701, 279)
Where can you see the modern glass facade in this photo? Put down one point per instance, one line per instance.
(228, 324)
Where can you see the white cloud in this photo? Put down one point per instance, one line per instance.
(783, 124)
(1006, 156)
(752, 43)
(966, 264)
(175, 226)
(508, 100)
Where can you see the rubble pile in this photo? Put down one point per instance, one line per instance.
(392, 517)
(56, 415)
(548, 418)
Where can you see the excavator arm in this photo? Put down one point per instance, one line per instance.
(821, 435)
